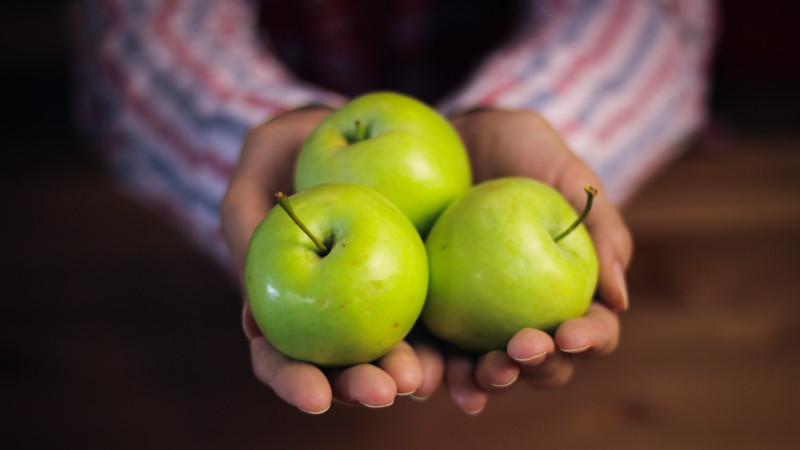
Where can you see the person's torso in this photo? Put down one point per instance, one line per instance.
(420, 47)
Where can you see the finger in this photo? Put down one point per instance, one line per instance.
(432, 363)
(264, 167)
(403, 365)
(251, 329)
(555, 164)
(300, 384)
(245, 205)
(554, 371)
(277, 141)
(364, 384)
(612, 239)
(614, 247)
(460, 380)
(614, 250)
(596, 333)
(530, 347)
(542, 365)
(495, 370)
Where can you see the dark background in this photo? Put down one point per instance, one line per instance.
(117, 334)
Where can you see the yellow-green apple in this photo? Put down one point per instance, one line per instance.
(394, 144)
(510, 254)
(351, 298)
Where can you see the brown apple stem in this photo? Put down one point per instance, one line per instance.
(590, 193)
(361, 131)
(284, 202)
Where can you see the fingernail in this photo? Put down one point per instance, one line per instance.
(619, 274)
(316, 413)
(575, 350)
(418, 398)
(378, 406)
(462, 399)
(405, 394)
(504, 385)
(245, 326)
(474, 413)
(532, 358)
(249, 325)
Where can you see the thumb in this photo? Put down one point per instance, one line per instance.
(611, 237)
(614, 247)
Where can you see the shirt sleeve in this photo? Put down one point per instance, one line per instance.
(624, 81)
(169, 89)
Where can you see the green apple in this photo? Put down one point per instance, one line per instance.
(351, 298)
(394, 144)
(504, 257)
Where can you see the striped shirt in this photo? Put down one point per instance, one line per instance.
(169, 88)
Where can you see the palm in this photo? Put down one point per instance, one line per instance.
(502, 144)
(262, 170)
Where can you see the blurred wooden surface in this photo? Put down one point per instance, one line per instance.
(116, 334)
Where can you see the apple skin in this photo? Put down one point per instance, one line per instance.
(495, 268)
(410, 154)
(352, 305)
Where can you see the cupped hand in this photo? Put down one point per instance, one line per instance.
(265, 167)
(519, 143)
(501, 144)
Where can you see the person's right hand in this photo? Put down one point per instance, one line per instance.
(265, 167)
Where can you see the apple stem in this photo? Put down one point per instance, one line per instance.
(361, 131)
(284, 202)
(590, 193)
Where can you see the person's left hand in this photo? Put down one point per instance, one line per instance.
(518, 143)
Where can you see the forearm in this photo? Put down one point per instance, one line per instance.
(624, 83)
(169, 90)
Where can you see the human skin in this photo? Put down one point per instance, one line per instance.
(496, 266)
(350, 301)
(500, 144)
(522, 143)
